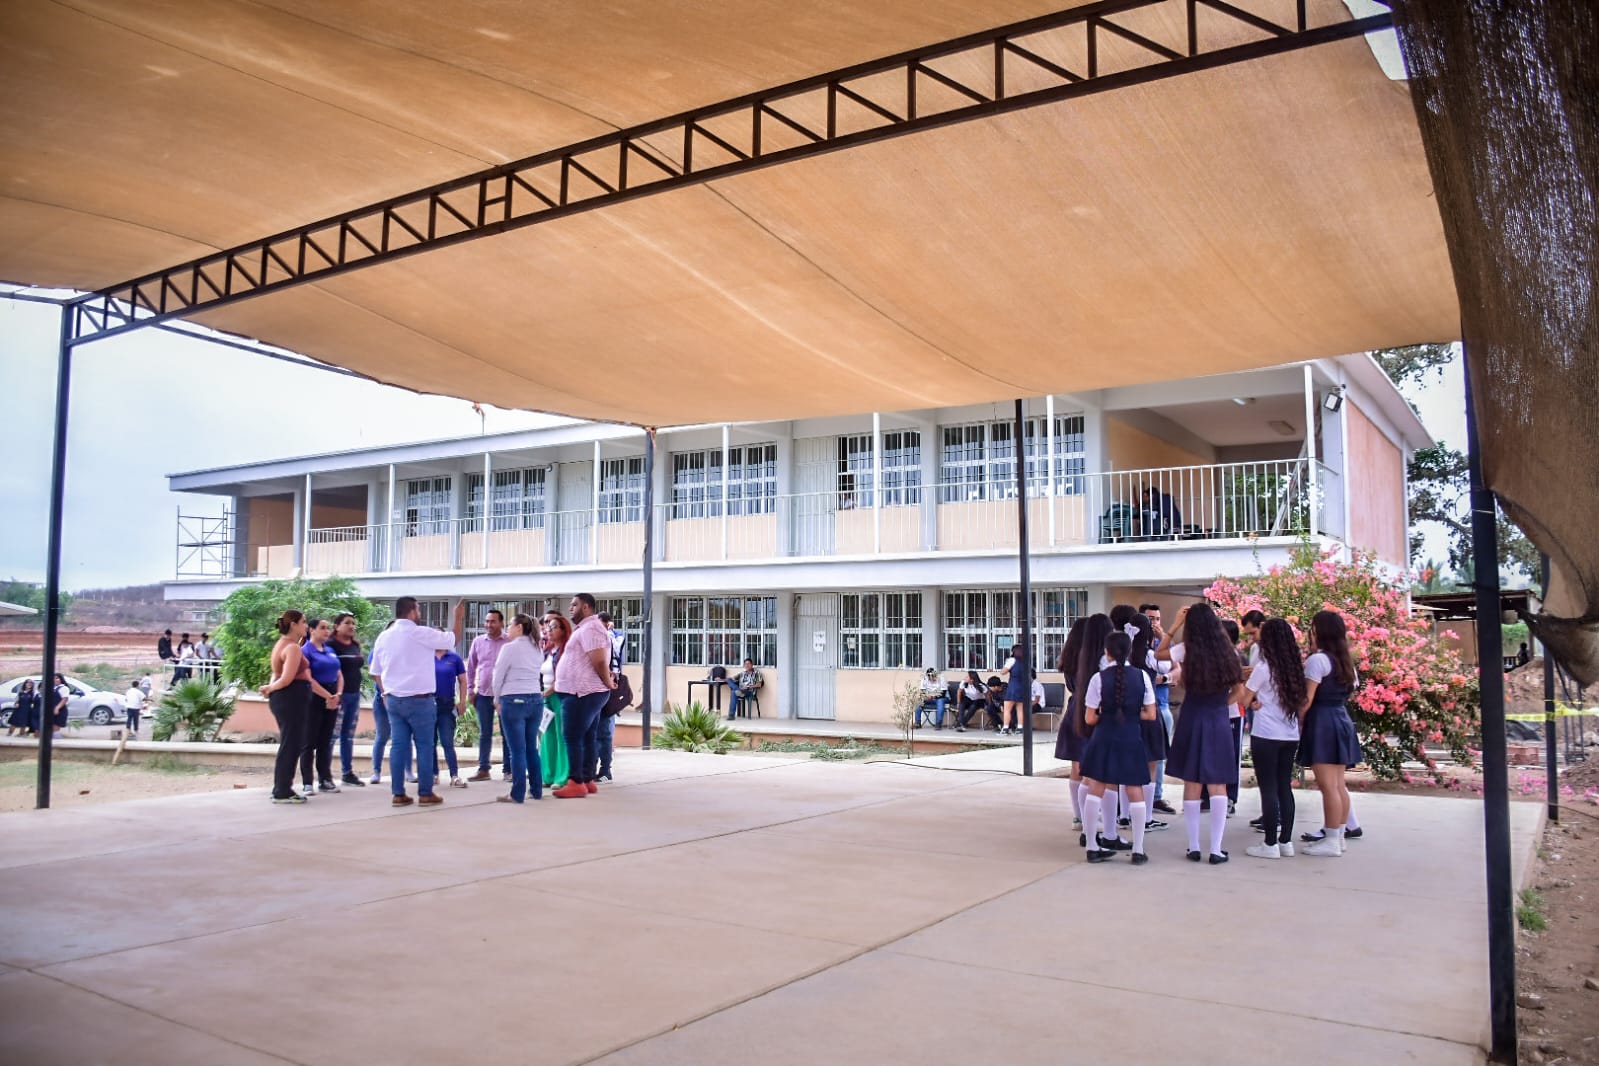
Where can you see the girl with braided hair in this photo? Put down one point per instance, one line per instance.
(1117, 701)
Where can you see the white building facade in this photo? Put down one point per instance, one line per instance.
(842, 554)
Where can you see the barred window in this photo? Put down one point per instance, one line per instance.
(901, 468)
(981, 627)
(724, 630)
(428, 505)
(751, 481)
(880, 630)
(627, 615)
(978, 462)
(622, 490)
(517, 500)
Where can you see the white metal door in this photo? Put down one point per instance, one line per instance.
(815, 654)
(815, 499)
(575, 498)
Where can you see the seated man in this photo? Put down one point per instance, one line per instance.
(747, 682)
(994, 703)
(1036, 706)
(1161, 517)
(934, 695)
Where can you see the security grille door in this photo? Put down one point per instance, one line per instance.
(815, 499)
(575, 497)
(815, 655)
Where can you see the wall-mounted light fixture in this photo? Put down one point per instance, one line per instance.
(1334, 398)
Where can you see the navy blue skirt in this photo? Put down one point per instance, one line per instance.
(1202, 744)
(1069, 739)
(1114, 755)
(1329, 736)
(1154, 734)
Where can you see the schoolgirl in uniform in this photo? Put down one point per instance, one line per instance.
(1201, 751)
(1079, 662)
(1116, 702)
(1277, 681)
(1328, 744)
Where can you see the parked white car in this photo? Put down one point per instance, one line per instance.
(87, 703)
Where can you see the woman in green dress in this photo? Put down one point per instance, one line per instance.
(552, 745)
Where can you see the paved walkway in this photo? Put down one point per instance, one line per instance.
(727, 910)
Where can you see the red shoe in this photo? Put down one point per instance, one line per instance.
(591, 786)
(571, 790)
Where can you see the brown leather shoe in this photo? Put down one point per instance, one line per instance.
(481, 775)
(591, 786)
(571, 790)
(429, 799)
(401, 801)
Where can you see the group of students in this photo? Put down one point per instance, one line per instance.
(27, 715)
(529, 674)
(1001, 701)
(187, 657)
(1115, 738)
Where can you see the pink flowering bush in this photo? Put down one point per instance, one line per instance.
(1414, 689)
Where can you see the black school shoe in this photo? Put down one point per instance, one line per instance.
(1349, 834)
(1101, 855)
(1165, 808)
(1114, 844)
(1194, 856)
(1139, 858)
(1217, 860)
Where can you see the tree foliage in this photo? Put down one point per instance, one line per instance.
(198, 706)
(250, 614)
(30, 594)
(1440, 491)
(1414, 689)
(1414, 363)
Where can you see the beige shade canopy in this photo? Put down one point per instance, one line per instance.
(1238, 217)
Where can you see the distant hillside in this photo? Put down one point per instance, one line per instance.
(136, 608)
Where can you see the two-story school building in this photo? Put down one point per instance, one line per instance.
(846, 554)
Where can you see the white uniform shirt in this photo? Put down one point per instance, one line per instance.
(1092, 697)
(403, 657)
(133, 699)
(1273, 721)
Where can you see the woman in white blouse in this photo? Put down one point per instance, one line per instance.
(518, 697)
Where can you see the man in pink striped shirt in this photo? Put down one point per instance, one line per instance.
(480, 690)
(584, 683)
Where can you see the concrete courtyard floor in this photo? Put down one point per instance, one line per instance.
(730, 909)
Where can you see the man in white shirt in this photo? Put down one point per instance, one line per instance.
(935, 698)
(402, 664)
(133, 701)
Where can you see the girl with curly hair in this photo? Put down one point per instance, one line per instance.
(1328, 743)
(1277, 682)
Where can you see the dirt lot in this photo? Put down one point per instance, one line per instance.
(1557, 968)
(79, 784)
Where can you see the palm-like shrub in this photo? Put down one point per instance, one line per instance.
(696, 728)
(198, 706)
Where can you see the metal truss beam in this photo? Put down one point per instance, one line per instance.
(1078, 52)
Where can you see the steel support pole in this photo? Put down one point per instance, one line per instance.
(646, 651)
(1551, 746)
(1025, 598)
(1495, 773)
(52, 562)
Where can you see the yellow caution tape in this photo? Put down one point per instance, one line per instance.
(1563, 713)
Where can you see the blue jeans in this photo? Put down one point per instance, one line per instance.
(411, 718)
(380, 743)
(1163, 706)
(580, 721)
(519, 722)
(349, 717)
(607, 742)
(484, 705)
(446, 731)
(940, 702)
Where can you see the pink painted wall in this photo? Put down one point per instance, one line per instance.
(1376, 474)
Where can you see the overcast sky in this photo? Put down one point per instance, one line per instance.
(150, 404)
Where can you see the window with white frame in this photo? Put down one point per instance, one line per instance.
(627, 615)
(724, 630)
(901, 468)
(517, 500)
(751, 481)
(978, 461)
(981, 627)
(880, 630)
(428, 505)
(477, 614)
(622, 490)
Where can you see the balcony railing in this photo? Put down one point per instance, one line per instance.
(1229, 501)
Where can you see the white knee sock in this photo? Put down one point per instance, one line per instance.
(1090, 816)
(1109, 816)
(1191, 823)
(1138, 812)
(1076, 789)
(1121, 796)
(1353, 822)
(1218, 822)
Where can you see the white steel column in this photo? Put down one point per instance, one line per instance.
(726, 455)
(1310, 449)
(302, 528)
(1049, 464)
(388, 526)
(932, 633)
(594, 509)
(877, 483)
(487, 506)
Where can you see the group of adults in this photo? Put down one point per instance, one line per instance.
(186, 657)
(1121, 742)
(529, 674)
(1000, 700)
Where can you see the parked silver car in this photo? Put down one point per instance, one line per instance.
(86, 703)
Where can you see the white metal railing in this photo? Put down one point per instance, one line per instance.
(1212, 502)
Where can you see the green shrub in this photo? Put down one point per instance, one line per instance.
(696, 728)
(198, 706)
(467, 730)
(251, 614)
(1529, 915)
